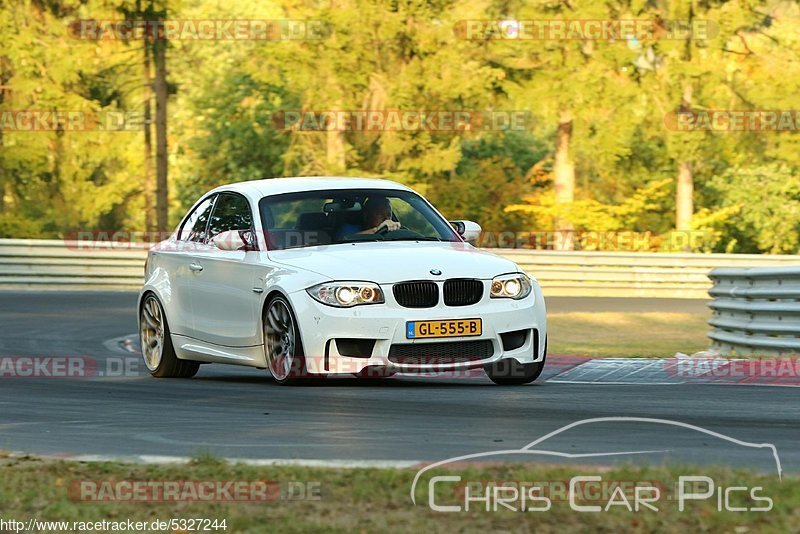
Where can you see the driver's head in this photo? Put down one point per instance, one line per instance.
(376, 210)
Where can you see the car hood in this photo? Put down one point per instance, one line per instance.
(390, 262)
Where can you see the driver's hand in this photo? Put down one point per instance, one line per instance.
(389, 224)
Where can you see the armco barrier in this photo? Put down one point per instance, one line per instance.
(50, 264)
(756, 311)
(45, 264)
(631, 274)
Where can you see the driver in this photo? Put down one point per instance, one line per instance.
(376, 218)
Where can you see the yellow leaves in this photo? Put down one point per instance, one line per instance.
(249, 102)
(706, 218)
(590, 214)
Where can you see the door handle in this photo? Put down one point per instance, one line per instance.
(196, 267)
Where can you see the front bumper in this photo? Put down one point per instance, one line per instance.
(321, 325)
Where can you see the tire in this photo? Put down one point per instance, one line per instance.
(509, 372)
(156, 342)
(283, 348)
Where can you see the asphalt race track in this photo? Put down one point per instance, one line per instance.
(236, 412)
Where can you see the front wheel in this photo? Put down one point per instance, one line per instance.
(509, 372)
(283, 348)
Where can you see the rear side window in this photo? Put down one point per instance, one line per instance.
(231, 212)
(194, 227)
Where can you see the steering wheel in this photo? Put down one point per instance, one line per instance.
(385, 230)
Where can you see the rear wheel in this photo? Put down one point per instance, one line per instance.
(509, 372)
(157, 349)
(282, 345)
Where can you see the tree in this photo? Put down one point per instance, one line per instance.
(577, 89)
(768, 220)
(161, 96)
(691, 70)
(59, 179)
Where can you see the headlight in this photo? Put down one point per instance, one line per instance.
(346, 294)
(511, 286)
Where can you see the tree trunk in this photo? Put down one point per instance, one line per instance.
(69, 219)
(564, 180)
(334, 139)
(2, 173)
(684, 204)
(684, 190)
(160, 86)
(5, 77)
(334, 149)
(149, 185)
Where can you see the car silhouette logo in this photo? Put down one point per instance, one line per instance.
(532, 448)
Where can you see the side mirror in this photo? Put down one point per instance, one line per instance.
(468, 230)
(234, 240)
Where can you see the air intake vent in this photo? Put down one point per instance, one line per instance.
(416, 294)
(462, 292)
(441, 353)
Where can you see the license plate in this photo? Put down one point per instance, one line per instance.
(443, 328)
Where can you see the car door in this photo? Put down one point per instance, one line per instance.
(226, 307)
(179, 261)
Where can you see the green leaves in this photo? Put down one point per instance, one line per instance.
(408, 57)
(767, 203)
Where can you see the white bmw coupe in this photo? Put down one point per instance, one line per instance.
(309, 277)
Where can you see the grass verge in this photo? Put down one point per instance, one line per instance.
(627, 334)
(368, 500)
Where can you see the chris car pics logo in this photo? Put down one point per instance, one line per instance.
(451, 493)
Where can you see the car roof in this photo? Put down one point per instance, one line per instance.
(276, 186)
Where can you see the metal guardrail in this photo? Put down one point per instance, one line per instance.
(631, 274)
(51, 264)
(756, 310)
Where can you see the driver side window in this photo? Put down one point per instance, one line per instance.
(231, 212)
(194, 227)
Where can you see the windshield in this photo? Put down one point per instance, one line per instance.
(326, 217)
